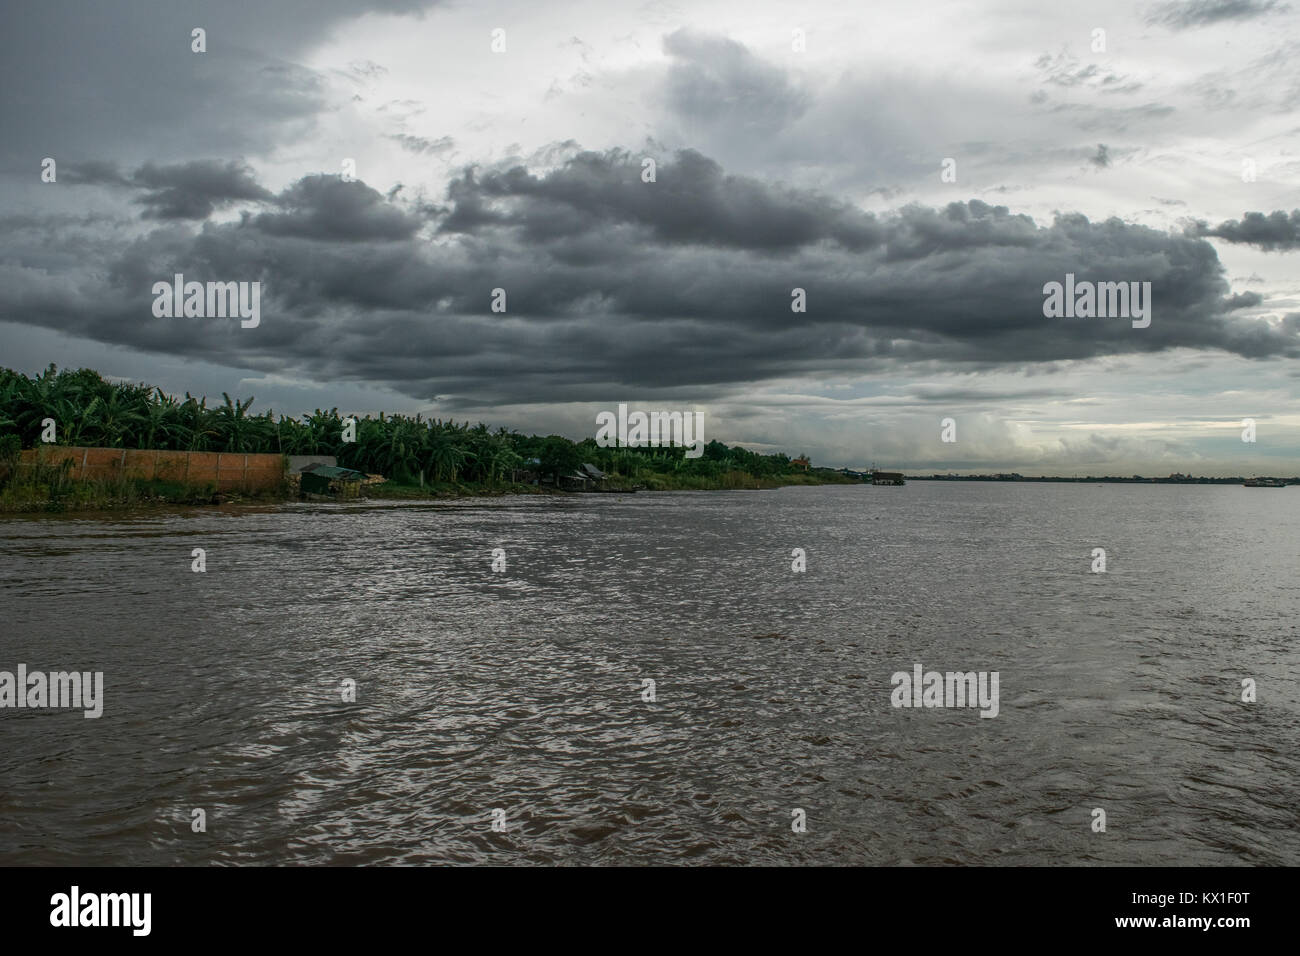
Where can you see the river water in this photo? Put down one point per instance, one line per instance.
(523, 691)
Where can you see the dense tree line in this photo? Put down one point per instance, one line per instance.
(87, 410)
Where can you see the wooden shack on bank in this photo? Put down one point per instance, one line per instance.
(332, 480)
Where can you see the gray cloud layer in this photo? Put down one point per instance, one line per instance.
(1275, 232)
(191, 190)
(617, 284)
(120, 79)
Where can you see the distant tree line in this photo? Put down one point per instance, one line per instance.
(89, 411)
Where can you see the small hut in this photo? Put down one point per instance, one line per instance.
(332, 480)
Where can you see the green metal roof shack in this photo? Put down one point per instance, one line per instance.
(331, 480)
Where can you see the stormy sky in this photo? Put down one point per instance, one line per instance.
(920, 170)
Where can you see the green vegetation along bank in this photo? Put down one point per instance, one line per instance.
(421, 458)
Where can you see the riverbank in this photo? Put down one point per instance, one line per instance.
(132, 493)
(120, 495)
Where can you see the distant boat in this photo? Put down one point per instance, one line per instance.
(1264, 483)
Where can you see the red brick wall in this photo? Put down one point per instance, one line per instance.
(226, 469)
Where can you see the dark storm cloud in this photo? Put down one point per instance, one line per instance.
(1101, 159)
(120, 79)
(326, 207)
(1242, 300)
(691, 201)
(921, 233)
(614, 284)
(194, 190)
(315, 207)
(1198, 13)
(1275, 231)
